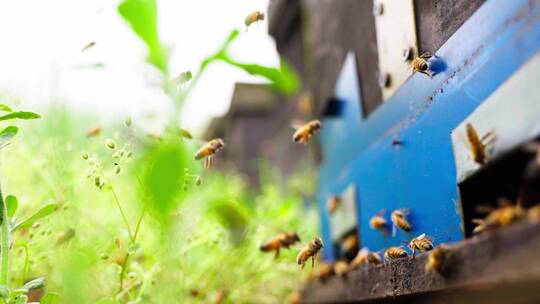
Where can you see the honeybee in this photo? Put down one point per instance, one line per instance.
(393, 253)
(253, 17)
(303, 133)
(350, 244)
(478, 145)
(341, 268)
(333, 203)
(378, 221)
(420, 64)
(533, 214)
(326, 272)
(309, 251)
(208, 150)
(420, 243)
(283, 240)
(499, 217)
(95, 131)
(88, 46)
(399, 220)
(295, 297)
(364, 257)
(436, 258)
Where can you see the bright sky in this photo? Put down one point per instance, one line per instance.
(41, 62)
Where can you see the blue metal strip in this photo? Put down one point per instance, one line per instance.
(420, 174)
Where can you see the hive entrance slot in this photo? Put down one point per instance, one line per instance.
(513, 177)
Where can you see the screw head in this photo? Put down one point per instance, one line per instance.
(407, 54)
(384, 80)
(378, 9)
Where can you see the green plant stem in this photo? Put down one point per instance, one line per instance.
(124, 218)
(4, 246)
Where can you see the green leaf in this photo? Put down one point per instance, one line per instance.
(5, 108)
(35, 284)
(20, 115)
(50, 298)
(7, 134)
(41, 213)
(142, 17)
(12, 204)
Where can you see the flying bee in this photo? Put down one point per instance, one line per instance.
(252, 18)
(393, 253)
(95, 131)
(378, 222)
(399, 220)
(350, 244)
(333, 203)
(208, 150)
(436, 258)
(309, 251)
(420, 64)
(341, 268)
(477, 144)
(283, 240)
(420, 243)
(303, 133)
(88, 46)
(185, 134)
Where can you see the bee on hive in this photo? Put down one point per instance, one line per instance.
(341, 268)
(310, 250)
(420, 243)
(304, 132)
(365, 257)
(500, 217)
(399, 220)
(283, 240)
(420, 64)
(436, 258)
(394, 253)
(350, 244)
(208, 150)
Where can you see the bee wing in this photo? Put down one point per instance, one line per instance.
(393, 229)
(423, 235)
(405, 211)
(297, 124)
(381, 213)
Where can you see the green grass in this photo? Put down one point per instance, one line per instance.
(204, 239)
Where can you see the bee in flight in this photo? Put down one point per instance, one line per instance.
(420, 64)
(309, 251)
(350, 244)
(95, 131)
(303, 133)
(420, 243)
(436, 258)
(393, 253)
(252, 18)
(283, 240)
(478, 145)
(88, 46)
(208, 150)
(378, 222)
(333, 203)
(399, 220)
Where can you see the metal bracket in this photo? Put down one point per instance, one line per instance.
(396, 42)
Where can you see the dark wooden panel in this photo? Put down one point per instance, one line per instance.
(437, 20)
(484, 269)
